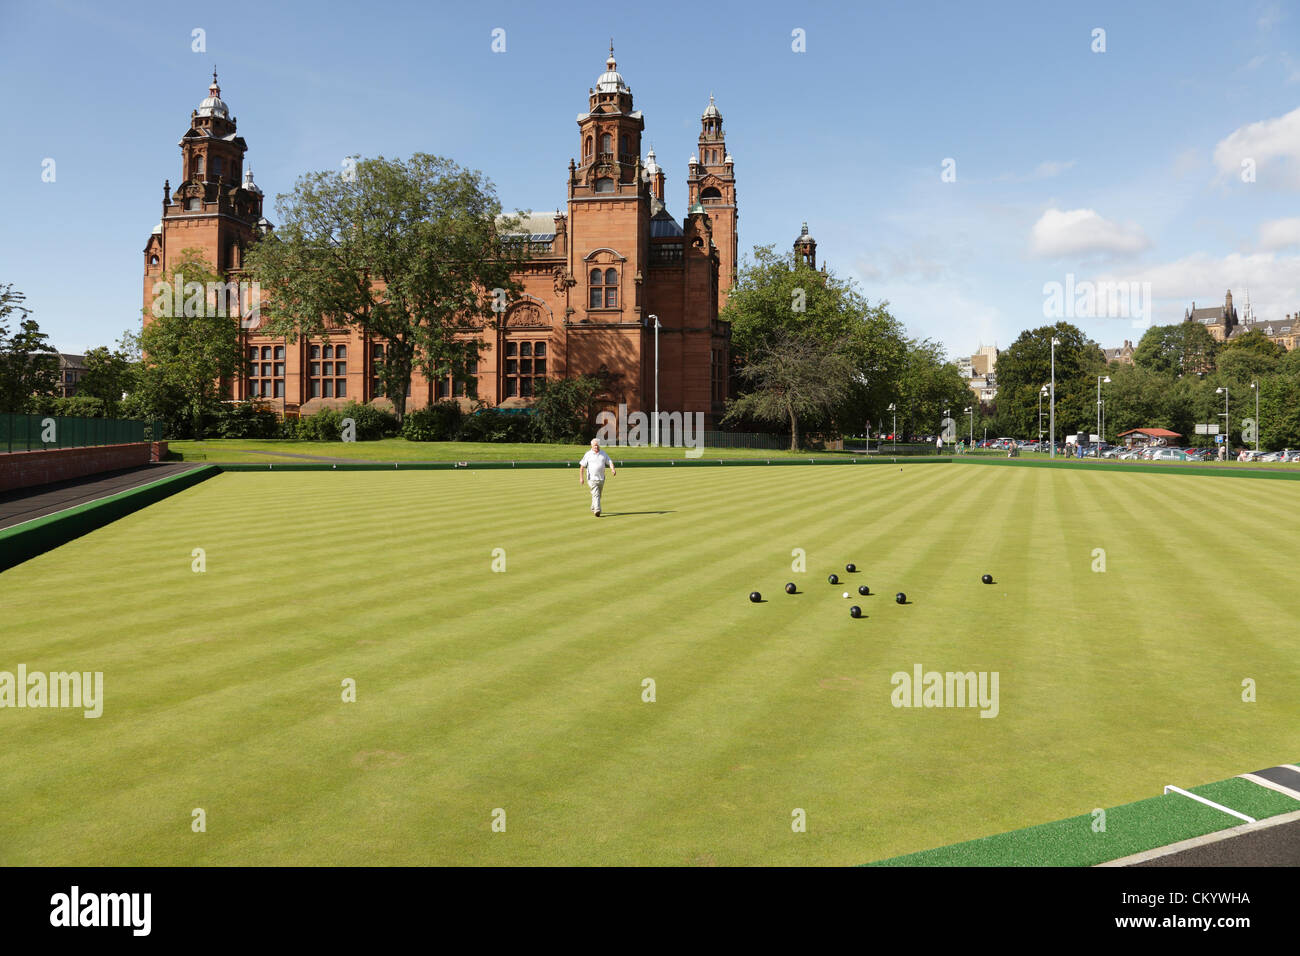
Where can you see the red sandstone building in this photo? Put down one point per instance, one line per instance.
(601, 272)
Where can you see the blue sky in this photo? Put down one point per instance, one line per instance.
(1071, 165)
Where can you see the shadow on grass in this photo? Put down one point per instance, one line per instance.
(626, 514)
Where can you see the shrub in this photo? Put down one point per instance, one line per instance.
(565, 408)
(440, 421)
(325, 425)
(78, 406)
(490, 425)
(372, 423)
(245, 420)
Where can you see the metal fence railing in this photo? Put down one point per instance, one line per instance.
(745, 440)
(43, 432)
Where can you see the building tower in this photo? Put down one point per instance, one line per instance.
(805, 249)
(217, 208)
(610, 133)
(712, 184)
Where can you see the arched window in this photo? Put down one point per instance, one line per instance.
(586, 149)
(604, 289)
(192, 204)
(604, 185)
(153, 260)
(627, 145)
(711, 193)
(198, 168)
(606, 143)
(611, 289)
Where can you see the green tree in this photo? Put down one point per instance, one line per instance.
(109, 374)
(29, 365)
(1026, 366)
(565, 408)
(794, 377)
(778, 301)
(926, 385)
(187, 357)
(1177, 349)
(408, 252)
(1279, 412)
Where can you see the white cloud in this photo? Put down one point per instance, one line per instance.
(1083, 231)
(1279, 233)
(1273, 145)
(1273, 282)
(1044, 170)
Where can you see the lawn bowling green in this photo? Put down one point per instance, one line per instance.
(523, 689)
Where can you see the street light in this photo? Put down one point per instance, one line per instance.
(1042, 394)
(1100, 436)
(893, 410)
(947, 414)
(1254, 387)
(970, 410)
(1227, 446)
(1052, 416)
(656, 428)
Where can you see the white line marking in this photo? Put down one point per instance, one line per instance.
(1269, 784)
(1209, 803)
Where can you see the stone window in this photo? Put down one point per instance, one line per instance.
(604, 289)
(525, 367)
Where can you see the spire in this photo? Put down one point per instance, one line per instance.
(212, 104)
(610, 81)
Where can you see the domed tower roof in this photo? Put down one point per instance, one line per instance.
(248, 184)
(611, 81)
(212, 104)
(805, 248)
(651, 167)
(711, 111)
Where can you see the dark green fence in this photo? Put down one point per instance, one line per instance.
(745, 440)
(42, 432)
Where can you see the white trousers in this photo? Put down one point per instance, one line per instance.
(595, 487)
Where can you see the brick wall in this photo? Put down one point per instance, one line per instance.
(26, 469)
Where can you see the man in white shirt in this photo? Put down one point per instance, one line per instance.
(591, 470)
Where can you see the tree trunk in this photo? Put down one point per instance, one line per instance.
(794, 430)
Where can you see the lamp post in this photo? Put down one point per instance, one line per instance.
(970, 410)
(1254, 387)
(1100, 436)
(1227, 447)
(1052, 416)
(1042, 394)
(947, 415)
(656, 428)
(893, 411)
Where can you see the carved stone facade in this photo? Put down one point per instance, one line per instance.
(601, 273)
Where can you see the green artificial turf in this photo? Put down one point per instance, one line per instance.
(522, 690)
(1132, 828)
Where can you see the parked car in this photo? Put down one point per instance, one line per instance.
(1168, 454)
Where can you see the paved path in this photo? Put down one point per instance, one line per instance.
(24, 504)
(1276, 846)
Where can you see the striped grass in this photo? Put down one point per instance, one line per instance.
(522, 690)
